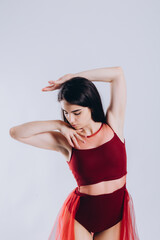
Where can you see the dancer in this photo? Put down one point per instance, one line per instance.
(93, 144)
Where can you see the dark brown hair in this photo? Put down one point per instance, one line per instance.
(80, 91)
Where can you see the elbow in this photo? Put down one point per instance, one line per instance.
(12, 132)
(121, 73)
(120, 69)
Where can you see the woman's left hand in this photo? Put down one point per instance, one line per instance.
(57, 83)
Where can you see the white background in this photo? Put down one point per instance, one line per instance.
(42, 41)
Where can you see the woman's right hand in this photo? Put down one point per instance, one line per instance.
(72, 134)
(57, 83)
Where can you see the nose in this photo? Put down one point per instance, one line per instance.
(71, 119)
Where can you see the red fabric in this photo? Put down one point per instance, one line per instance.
(128, 225)
(99, 212)
(63, 228)
(108, 161)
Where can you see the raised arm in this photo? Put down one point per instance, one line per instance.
(115, 114)
(118, 99)
(40, 134)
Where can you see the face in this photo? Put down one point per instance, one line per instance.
(76, 115)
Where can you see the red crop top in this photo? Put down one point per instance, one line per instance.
(108, 161)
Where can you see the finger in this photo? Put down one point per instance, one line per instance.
(48, 88)
(78, 136)
(51, 83)
(82, 134)
(70, 142)
(75, 141)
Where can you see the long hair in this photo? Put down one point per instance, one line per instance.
(80, 91)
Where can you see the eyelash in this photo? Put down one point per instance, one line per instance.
(74, 114)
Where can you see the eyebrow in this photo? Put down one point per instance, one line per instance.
(72, 111)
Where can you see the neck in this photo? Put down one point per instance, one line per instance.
(91, 128)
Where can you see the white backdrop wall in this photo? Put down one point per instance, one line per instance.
(42, 41)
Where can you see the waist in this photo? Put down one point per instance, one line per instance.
(103, 187)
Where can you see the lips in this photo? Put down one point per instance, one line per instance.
(74, 125)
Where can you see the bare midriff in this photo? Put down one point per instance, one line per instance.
(103, 187)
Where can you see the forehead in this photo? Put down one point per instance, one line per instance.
(67, 106)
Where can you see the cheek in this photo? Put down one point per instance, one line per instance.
(86, 116)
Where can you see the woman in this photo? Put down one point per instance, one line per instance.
(100, 207)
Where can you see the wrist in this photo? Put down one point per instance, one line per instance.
(60, 124)
(77, 75)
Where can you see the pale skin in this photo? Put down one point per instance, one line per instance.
(40, 133)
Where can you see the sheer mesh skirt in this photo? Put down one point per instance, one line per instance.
(63, 228)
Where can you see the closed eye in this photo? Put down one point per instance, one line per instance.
(74, 113)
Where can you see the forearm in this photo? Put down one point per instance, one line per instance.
(106, 74)
(31, 128)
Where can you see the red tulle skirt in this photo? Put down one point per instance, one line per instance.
(63, 228)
